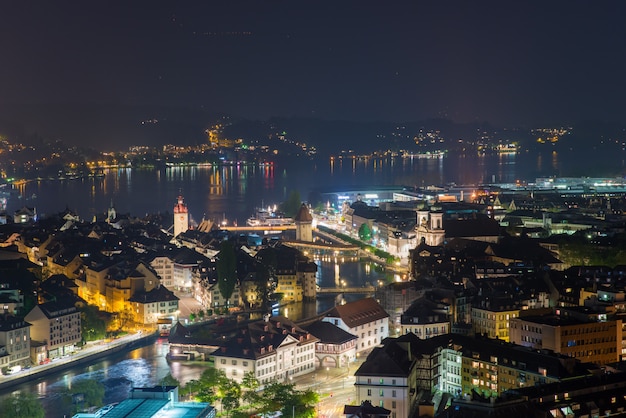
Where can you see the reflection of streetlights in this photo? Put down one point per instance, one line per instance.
(327, 373)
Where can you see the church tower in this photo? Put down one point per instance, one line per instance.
(304, 224)
(181, 217)
(111, 214)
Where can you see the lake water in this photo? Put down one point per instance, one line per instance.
(234, 192)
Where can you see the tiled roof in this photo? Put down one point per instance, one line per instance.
(158, 294)
(261, 338)
(392, 359)
(303, 214)
(329, 333)
(359, 312)
(480, 227)
(58, 308)
(366, 409)
(9, 323)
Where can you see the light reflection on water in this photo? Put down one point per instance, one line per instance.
(141, 367)
(235, 192)
(146, 366)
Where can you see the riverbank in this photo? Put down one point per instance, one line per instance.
(390, 262)
(93, 351)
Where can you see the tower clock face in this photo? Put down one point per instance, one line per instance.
(182, 218)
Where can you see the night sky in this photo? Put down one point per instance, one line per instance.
(504, 62)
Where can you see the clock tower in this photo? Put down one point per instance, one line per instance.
(181, 217)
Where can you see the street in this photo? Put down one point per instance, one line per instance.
(335, 387)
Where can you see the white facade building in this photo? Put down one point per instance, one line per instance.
(364, 318)
(274, 349)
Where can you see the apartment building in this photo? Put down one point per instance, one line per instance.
(14, 344)
(588, 337)
(388, 378)
(58, 325)
(490, 317)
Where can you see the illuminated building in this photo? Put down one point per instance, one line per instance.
(491, 316)
(181, 217)
(14, 343)
(274, 349)
(364, 318)
(591, 338)
(304, 224)
(58, 325)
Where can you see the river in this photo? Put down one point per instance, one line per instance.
(138, 368)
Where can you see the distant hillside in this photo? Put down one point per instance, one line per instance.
(114, 127)
(107, 127)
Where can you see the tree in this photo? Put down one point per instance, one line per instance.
(249, 381)
(85, 393)
(125, 318)
(93, 326)
(230, 392)
(266, 275)
(191, 389)
(169, 380)
(365, 233)
(283, 397)
(227, 269)
(22, 405)
(210, 385)
(249, 385)
(291, 206)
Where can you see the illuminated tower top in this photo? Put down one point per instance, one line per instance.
(180, 207)
(181, 216)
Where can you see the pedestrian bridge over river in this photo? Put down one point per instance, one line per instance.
(337, 290)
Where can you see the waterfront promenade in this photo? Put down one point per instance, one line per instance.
(89, 353)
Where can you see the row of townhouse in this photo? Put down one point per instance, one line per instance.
(578, 332)
(120, 285)
(294, 279)
(50, 330)
(395, 372)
